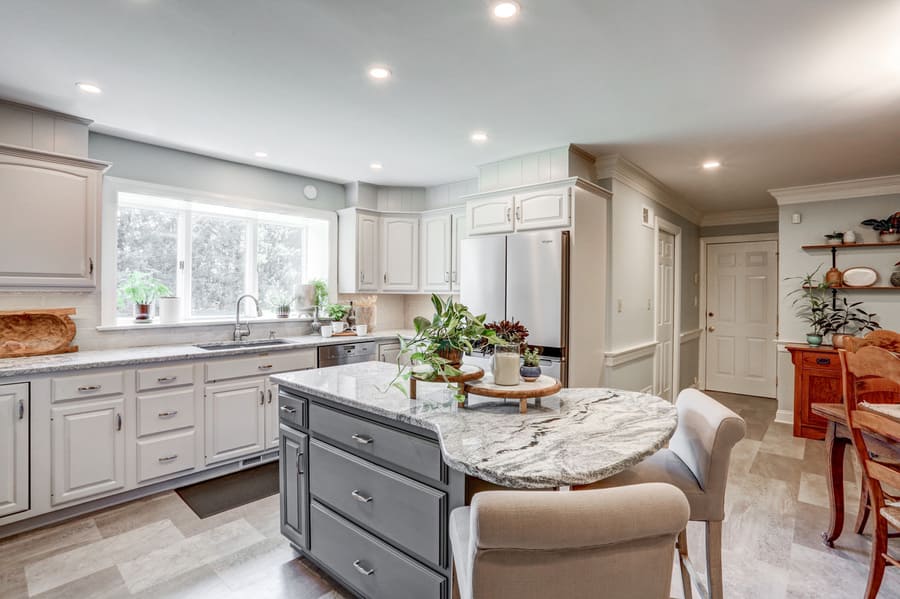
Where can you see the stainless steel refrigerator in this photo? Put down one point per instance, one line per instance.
(524, 277)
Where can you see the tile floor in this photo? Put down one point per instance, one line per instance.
(158, 548)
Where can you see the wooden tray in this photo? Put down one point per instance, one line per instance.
(36, 332)
(469, 373)
(345, 334)
(524, 391)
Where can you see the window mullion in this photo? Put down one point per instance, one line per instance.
(185, 274)
(251, 275)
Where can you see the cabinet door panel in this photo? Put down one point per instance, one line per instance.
(367, 252)
(271, 415)
(400, 252)
(459, 232)
(88, 449)
(491, 215)
(436, 241)
(235, 419)
(294, 472)
(542, 210)
(14, 418)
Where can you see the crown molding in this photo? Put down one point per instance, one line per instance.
(740, 217)
(615, 166)
(838, 190)
(67, 159)
(47, 111)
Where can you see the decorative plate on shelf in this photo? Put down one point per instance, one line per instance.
(860, 276)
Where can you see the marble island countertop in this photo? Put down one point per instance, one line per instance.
(577, 436)
(131, 356)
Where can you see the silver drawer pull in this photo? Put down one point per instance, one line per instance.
(166, 379)
(289, 410)
(168, 414)
(362, 439)
(264, 366)
(362, 569)
(361, 498)
(168, 458)
(21, 409)
(90, 388)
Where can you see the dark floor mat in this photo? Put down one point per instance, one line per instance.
(219, 495)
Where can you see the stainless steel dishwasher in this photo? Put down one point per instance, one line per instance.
(347, 353)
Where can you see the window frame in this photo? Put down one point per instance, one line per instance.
(113, 186)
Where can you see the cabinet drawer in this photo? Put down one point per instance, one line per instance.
(165, 376)
(260, 364)
(94, 384)
(292, 410)
(821, 360)
(167, 455)
(396, 507)
(165, 411)
(370, 439)
(369, 566)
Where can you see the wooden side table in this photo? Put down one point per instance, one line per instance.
(817, 379)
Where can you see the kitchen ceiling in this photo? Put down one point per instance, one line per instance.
(782, 93)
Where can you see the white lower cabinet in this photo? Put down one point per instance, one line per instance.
(14, 467)
(235, 419)
(271, 415)
(164, 455)
(87, 449)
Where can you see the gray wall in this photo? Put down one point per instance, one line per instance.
(165, 166)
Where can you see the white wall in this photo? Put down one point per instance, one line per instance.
(448, 194)
(820, 218)
(537, 167)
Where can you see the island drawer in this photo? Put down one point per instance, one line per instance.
(369, 566)
(166, 455)
(390, 504)
(292, 409)
(260, 364)
(368, 438)
(165, 411)
(93, 384)
(165, 376)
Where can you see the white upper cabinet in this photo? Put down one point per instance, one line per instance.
(48, 237)
(359, 262)
(490, 215)
(400, 253)
(460, 232)
(14, 418)
(545, 209)
(367, 252)
(436, 252)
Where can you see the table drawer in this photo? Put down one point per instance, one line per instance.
(165, 376)
(165, 411)
(821, 360)
(370, 439)
(93, 384)
(166, 455)
(292, 410)
(396, 507)
(260, 364)
(371, 567)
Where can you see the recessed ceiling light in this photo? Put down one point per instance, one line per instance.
(261, 154)
(506, 10)
(89, 88)
(379, 72)
(376, 166)
(711, 164)
(479, 137)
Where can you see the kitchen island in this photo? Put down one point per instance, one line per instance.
(369, 476)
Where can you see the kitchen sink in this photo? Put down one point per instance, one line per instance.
(223, 345)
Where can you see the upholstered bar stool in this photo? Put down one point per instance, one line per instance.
(614, 543)
(696, 462)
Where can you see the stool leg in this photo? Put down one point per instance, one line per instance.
(682, 545)
(714, 560)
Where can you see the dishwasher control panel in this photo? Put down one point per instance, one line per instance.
(347, 353)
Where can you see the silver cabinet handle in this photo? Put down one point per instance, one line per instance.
(166, 379)
(21, 409)
(299, 461)
(362, 439)
(508, 214)
(264, 367)
(519, 213)
(362, 277)
(362, 569)
(385, 277)
(361, 498)
(90, 388)
(269, 393)
(262, 398)
(118, 422)
(454, 276)
(446, 276)
(289, 410)
(168, 458)
(168, 414)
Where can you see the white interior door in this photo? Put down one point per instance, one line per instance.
(741, 317)
(665, 314)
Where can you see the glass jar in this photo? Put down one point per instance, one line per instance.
(505, 365)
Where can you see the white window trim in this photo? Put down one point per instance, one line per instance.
(113, 186)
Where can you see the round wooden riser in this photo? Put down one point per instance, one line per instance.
(524, 391)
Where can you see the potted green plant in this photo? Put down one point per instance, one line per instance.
(281, 302)
(337, 311)
(888, 228)
(847, 319)
(811, 304)
(531, 369)
(142, 289)
(437, 348)
(511, 332)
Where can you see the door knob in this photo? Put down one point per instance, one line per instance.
(711, 329)
(710, 314)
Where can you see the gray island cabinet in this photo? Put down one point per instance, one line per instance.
(369, 477)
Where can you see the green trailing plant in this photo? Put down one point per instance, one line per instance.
(320, 295)
(337, 311)
(141, 288)
(810, 301)
(453, 330)
(845, 318)
(532, 356)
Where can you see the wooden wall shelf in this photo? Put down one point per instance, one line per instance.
(841, 246)
(872, 288)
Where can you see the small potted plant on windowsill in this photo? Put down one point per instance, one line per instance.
(142, 289)
(281, 302)
(811, 303)
(531, 369)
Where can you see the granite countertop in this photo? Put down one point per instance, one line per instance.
(166, 353)
(577, 436)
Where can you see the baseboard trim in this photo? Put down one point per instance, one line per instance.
(784, 416)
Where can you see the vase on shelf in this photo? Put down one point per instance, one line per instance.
(813, 340)
(889, 236)
(895, 276)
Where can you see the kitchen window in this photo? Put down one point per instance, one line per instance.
(209, 254)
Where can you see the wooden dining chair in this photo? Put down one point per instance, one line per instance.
(867, 373)
(889, 340)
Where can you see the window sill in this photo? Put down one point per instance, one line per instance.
(130, 325)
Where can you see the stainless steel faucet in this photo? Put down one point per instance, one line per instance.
(243, 330)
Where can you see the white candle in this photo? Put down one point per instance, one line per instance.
(506, 368)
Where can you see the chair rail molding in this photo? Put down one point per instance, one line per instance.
(692, 335)
(838, 190)
(740, 217)
(625, 355)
